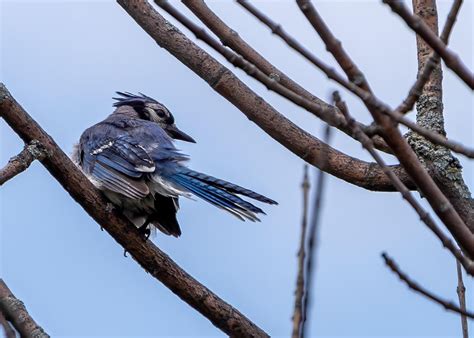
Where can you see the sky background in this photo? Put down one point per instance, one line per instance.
(63, 60)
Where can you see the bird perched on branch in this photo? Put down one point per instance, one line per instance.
(131, 157)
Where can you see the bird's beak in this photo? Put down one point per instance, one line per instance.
(177, 134)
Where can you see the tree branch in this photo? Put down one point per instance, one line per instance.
(300, 279)
(223, 81)
(448, 305)
(461, 291)
(22, 161)
(451, 59)
(151, 258)
(14, 310)
(446, 169)
(424, 216)
(230, 38)
(313, 232)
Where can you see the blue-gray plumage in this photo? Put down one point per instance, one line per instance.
(131, 157)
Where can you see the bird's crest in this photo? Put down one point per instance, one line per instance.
(129, 99)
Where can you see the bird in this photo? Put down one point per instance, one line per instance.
(131, 157)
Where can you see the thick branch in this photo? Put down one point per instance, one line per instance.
(21, 162)
(446, 169)
(223, 81)
(152, 259)
(231, 38)
(448, 305)
(14, 311)
(451, 59)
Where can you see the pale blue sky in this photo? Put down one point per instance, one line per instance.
(63, 60)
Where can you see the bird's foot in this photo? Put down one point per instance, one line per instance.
(145, 231)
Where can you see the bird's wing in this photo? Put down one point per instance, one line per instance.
(118, 164)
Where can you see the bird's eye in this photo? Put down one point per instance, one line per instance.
(160, 113)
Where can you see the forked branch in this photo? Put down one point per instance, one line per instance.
(22, 161)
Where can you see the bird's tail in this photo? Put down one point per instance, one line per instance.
(221, 193)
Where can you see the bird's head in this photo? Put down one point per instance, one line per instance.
(148, 108)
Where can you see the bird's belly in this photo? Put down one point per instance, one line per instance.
(136, 210)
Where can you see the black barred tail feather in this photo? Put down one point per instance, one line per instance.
(229, 187)
(221, 193)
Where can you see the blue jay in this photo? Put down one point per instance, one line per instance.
(131, 157)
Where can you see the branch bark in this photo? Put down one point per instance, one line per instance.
(22, 161)
(150, 257)
(223, 81)
(445, 168)
(15, 311)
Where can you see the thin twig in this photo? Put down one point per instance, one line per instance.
(7, 328)
(150, 257)
(14, 311)
(313, 233)
(461, 291)
(300, 279)
(21, 162)
(451, 59)
(448, 305)
(333, 45)
(402, 150)
(406, 194)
